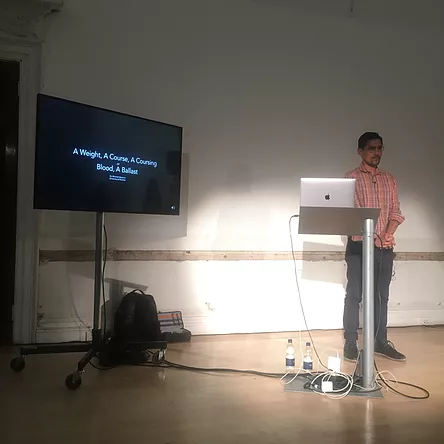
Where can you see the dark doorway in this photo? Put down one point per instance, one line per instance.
(9, 129)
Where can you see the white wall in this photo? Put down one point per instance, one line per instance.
(267, 92)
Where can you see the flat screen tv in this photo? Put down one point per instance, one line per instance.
(98, 160)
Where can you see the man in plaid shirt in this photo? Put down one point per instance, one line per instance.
(377, 189)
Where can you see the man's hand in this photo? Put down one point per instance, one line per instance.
(388, 240)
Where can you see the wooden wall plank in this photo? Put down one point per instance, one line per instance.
(196, 255)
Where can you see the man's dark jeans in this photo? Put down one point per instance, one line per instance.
(353, 297)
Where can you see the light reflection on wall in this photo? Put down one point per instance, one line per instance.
(261, 296)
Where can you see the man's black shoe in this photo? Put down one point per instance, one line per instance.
(389, 351)
(350, 350)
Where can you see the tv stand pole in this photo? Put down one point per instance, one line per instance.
(368, 291)
(97, 333)
(74, 380)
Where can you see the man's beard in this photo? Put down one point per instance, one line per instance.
(374, 162)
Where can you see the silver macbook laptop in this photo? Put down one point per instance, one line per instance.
(328, 193)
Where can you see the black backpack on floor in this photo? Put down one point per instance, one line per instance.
(135, 322)
(136, 319)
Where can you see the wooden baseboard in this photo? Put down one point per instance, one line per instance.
(196, 255)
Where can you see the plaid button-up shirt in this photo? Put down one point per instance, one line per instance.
(377, 191)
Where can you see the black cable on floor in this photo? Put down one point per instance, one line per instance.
(386, 383)
(173, 365)
(170, 364)
(309, 376)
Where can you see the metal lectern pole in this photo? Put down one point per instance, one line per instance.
(368, 290)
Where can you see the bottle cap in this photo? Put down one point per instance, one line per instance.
(307, 344)
(290, 341)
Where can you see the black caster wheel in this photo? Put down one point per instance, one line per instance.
(17, 364)
(73, 381)
(159, 357)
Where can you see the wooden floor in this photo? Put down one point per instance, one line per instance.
(136, 404)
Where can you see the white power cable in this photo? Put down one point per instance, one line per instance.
(379, 374)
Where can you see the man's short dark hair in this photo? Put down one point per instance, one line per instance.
(366, 137)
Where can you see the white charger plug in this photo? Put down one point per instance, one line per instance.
(334, 364)
(327, 386)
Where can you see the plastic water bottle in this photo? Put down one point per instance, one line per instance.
(290, 360)
(308, 357)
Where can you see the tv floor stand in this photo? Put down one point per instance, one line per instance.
(99, 335)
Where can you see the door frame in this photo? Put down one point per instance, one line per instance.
(10, 77)
(28, 53)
